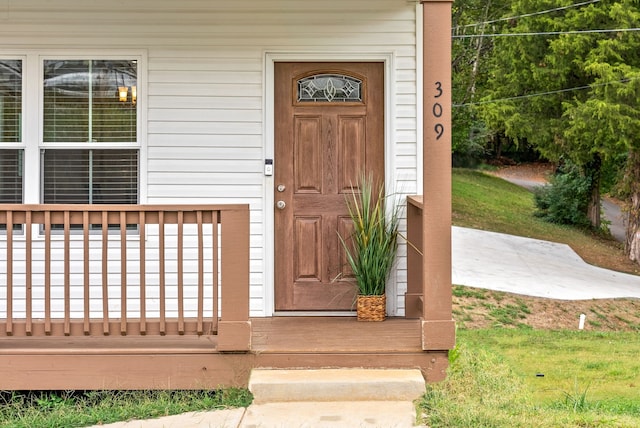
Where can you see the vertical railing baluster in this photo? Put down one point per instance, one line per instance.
(123, 273)
(47, 272)
(199, 327)
(215, 259)
(29, 273)
(105, 273)
(9, 273)
(143, 269)
(67, 275)
(180, 251)
(161, 267)
(85, 272)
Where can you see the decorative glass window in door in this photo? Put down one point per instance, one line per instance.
(329, 88)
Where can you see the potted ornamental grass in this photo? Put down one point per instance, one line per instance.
(372, 246)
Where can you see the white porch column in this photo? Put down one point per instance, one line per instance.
(438, 328)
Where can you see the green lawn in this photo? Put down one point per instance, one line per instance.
(523, 377)
(65, 409)
(605, 364)
(590, 380)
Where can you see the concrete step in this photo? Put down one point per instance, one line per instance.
(328, 414)
(274, 386)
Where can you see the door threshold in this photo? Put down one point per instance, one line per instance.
(314, 314)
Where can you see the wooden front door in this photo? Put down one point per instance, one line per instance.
(329, 130)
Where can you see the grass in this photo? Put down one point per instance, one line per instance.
(496, 381)
(606, 362)
(84, 408)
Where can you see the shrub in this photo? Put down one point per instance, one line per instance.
(565, 199)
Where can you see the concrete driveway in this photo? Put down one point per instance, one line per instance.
(532, 267)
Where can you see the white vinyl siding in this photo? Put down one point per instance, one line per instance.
(205, 95)
(114, 278)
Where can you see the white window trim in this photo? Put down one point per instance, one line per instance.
(32, 113)
(21, 144)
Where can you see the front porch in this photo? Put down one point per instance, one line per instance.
(194, 362)
(112, 319)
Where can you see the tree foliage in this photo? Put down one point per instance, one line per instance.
(571, 93)
(470, 67)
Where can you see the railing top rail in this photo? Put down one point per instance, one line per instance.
(122, 207)
(415, 200)
(74, 214)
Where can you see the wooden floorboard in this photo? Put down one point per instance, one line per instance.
(335, 334)
(99, 345)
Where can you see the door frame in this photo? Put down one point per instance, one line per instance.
(270, 58)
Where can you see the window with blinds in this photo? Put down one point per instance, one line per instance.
(11, 168)
(10, 101)
(88, 102)
(90, 176)
(11, 160)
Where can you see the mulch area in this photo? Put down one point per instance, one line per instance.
(482, 311)
(527, 171)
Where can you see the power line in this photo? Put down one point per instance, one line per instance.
(546, 33)
(539, 94)
(526, 15)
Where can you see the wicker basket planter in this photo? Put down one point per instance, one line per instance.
(371, 308)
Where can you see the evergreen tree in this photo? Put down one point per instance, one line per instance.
(590, 86)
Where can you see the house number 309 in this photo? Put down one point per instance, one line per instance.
(437, 111)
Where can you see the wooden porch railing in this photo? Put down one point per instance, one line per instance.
(428, 298)
(413, 299)
(83, 270)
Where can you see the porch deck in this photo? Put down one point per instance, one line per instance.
(193, 362)
(190, 332)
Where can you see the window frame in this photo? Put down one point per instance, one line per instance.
(141, 100)
(32, 131)
(19, 145)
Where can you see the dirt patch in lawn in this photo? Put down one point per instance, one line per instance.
(536, 172)
(479, 308)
